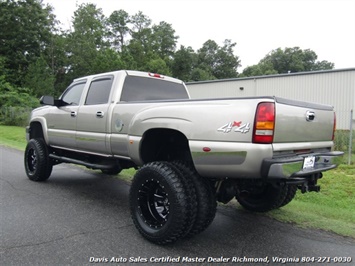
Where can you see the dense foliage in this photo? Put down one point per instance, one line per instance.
(288, 60)
(16, 104)
(38, 57)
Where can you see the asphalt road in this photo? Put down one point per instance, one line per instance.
(79, 216)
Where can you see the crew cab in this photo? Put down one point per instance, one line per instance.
(189, 154)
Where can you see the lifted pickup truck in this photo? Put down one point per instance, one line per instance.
(189, 154)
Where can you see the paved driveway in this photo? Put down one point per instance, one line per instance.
(79, 217)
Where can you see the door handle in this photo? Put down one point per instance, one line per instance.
(100, 114)
(73, 114)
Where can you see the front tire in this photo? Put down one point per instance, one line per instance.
(38, 165)
(160, 203)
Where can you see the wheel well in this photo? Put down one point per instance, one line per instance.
(36, 130)
(164, 145)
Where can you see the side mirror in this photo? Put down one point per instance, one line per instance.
(47, 100)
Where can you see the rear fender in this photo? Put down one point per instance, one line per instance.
(139, 129)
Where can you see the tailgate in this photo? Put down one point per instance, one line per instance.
(298, 121)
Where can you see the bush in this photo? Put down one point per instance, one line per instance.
(342, 143)
(15, 104)
(15, 116)
(342, 140)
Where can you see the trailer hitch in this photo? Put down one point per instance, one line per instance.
(311, 184)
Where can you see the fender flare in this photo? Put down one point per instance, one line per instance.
(42, 121)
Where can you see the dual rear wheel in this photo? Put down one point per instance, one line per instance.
(263, 197)
(169, 201)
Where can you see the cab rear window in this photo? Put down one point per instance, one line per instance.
(151, 89)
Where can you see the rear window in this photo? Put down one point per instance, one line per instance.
(150, 89)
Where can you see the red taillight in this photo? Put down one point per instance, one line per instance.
(334, 126)
(264, 123)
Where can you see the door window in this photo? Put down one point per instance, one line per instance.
(73, 94)
(99, 91)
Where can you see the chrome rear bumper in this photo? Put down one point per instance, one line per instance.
(291, 167)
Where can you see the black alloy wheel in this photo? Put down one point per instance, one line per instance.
(38, 165)
(153, 203)
(160, 203)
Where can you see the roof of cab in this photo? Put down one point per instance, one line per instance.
(131, 73)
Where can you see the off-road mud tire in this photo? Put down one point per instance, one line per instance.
(205, 197)
(291, 193)
(38, 165)
(160, 203)
(260, 197)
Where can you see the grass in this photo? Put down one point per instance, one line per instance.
(14, 137)
(127, 174)
(332, 209)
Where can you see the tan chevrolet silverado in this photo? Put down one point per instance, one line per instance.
(189, 154)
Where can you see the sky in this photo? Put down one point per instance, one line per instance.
(257, 26)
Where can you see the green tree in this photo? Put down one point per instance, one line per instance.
(288, 60)
(118, 23)
(137, 54)
(151, 47)
(323, 65)
(59, 61)
(263, 68)
(108, 60)
(158, 65)
(163, 39)
(207, 55)
(39, 78)
(88, 37)
(219, 62)
(140, 22)
(140, 43)
(226, 63)
(25, 33)
(198, 74)
(183, 64)
(3, 69)
(141, 31)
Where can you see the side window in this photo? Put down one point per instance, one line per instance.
(99, 91)
(73, 94)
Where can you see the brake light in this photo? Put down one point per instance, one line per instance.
(264, 123)
(334, 126)
(155, 75)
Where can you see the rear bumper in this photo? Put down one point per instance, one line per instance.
(292, 167)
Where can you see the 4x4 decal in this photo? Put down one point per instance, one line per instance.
(237, 126)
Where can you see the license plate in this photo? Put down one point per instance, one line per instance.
(309, 162)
